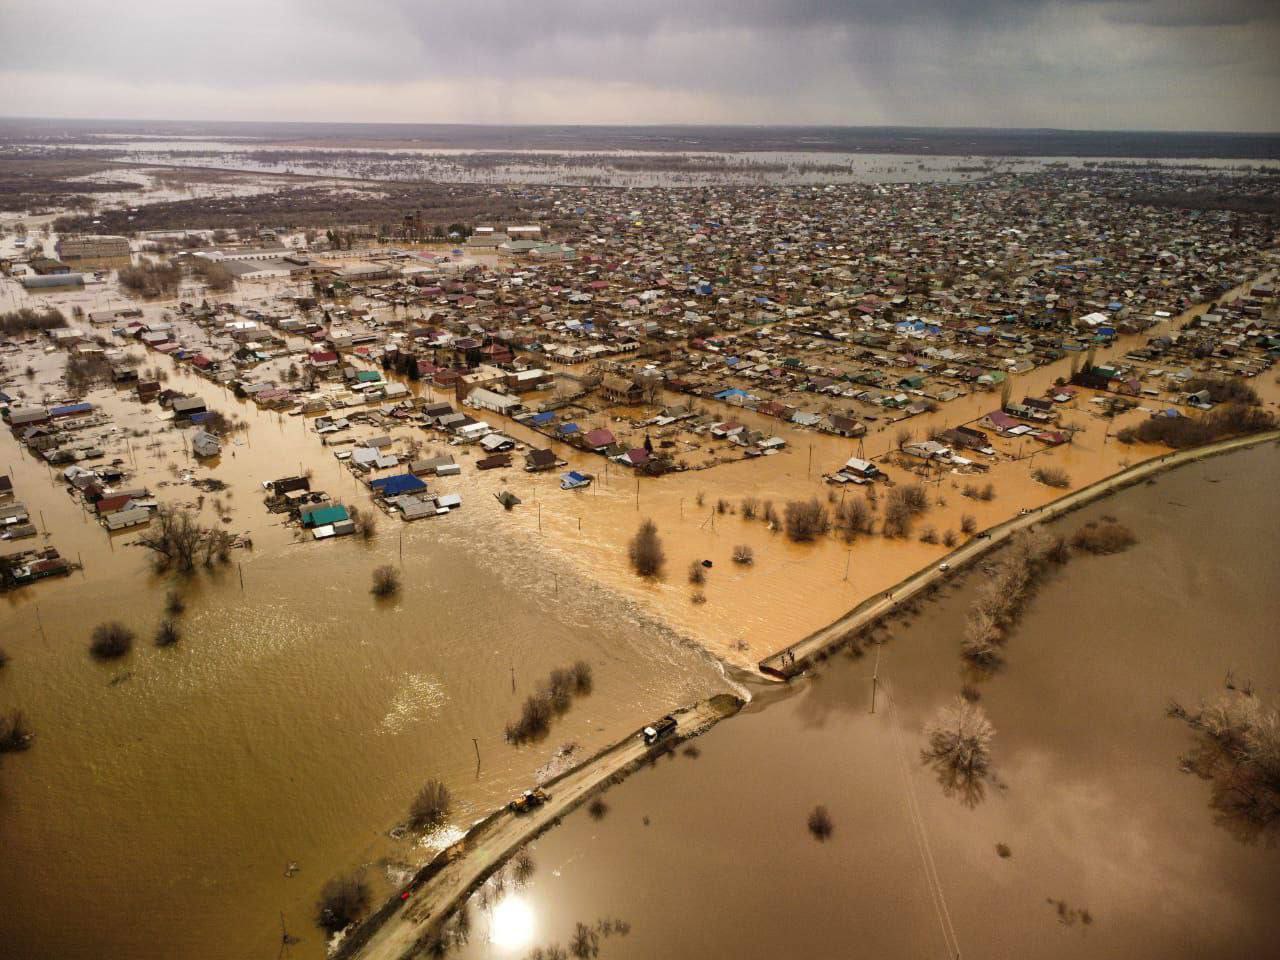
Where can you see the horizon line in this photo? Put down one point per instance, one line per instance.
(655, 124)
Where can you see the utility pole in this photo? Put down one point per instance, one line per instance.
(875, 678)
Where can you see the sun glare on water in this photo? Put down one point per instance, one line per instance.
(513, 924)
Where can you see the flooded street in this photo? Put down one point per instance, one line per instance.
(1112, 851)
(167, 794)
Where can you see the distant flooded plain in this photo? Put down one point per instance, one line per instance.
(618, 167)
(1112, 852)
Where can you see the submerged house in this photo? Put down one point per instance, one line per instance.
(205, 444)
(539, 460)
(618, 389)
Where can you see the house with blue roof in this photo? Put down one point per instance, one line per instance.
(398, 485)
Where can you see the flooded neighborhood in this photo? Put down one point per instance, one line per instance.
(534, 540)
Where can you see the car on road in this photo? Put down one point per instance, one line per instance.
(658, 730)
(529, 800)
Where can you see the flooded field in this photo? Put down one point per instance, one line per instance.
(167, 795)
(1090, 843)
(620, 167)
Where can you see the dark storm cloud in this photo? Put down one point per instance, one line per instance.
(1172, 13)
(1152, 63)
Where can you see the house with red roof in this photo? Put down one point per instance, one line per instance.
(598, 439)
(321, 359)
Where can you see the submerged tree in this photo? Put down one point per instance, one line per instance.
(179, 541)
(386, 581)
(110, 641)
(1238, 751)
(167, 634)
(959, 750)
(15, 736)
(430, 806)
(645, 550)
(806, 520)
(343, 901)
(820, 823)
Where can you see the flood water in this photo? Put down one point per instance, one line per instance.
(709, 855)
(166, 794)
(613, 167)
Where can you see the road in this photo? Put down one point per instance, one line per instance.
(461, 868)
(793, 659)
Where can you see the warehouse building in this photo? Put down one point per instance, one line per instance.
(92, 248)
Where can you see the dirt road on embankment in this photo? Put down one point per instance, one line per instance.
(455, 873)
(793, 659)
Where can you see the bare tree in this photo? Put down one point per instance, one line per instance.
(386, 581)
(959, 749)
(430, 806)
(806, 520)
(1104, 536)
(1238, 751)
(1051, 477)
(343, 901)
(15, 736)
(110, 641)
(820, 824)
(167, 634)
(645, 550)
(174, 537)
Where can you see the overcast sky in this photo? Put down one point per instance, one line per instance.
(1103, 64)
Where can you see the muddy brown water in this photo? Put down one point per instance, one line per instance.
(710, 856)
(166, 794)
